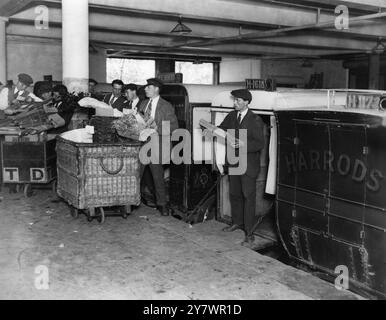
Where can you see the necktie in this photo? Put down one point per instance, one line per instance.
(112, 100)
(239, 118)
(130, 104)
(148, 109)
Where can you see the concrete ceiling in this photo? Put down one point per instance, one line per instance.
(245, 28)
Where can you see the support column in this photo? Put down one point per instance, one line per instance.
(75, 44)
(374, 71)
(3, 50)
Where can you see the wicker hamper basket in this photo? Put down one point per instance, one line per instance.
(98, 175)
(104, 132)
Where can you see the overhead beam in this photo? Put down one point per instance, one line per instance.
(171, 16)
(264, 18)
(276, 32)
(147, 28)
(370, 5)
(11, 7)
(114, 37)
(294, 40)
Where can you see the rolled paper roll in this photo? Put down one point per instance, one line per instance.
(220, 132)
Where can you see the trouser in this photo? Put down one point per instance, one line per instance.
(147, 181)
(242, 190)
(156, 179)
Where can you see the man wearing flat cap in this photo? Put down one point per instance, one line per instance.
(17, 94)
(157, 110)
(242, 188)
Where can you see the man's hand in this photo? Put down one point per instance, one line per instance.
(151, 123)
(207, 133)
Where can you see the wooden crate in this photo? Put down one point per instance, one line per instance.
(28, 162)
(98, 175)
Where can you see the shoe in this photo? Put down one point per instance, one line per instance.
(148, 203)
(231, 228)
(164, 210)
(249, 242)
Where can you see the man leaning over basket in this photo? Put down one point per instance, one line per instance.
(158, 109)
(18, 94)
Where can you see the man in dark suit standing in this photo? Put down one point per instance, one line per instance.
(242, 188)
(115, 99)
(158, 110)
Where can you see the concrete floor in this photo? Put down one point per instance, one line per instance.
(144, 257)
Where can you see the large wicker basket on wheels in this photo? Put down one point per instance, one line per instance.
(96, 175)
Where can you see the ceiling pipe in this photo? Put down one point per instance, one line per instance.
(274, 32)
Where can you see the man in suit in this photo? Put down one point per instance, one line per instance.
(66, 106)
(133, 101)
(158, 110)
(242, 188)
(115, 99)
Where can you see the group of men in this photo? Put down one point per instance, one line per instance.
(125, 97)
(55, 98)
(155, 109)
(122, 96)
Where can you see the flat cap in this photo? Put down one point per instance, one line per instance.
(243, 94)
(155, 82)
(25, 78)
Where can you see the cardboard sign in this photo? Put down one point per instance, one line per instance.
(260, 84)
(170, 77)
(10, 175)
(37, 174)
(365, 101)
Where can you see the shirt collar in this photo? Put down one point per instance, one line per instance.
(243, 113)
(155, 101)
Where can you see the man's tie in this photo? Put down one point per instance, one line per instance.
(148, 109)
(239, 118)
(130, 104)
(111, 100)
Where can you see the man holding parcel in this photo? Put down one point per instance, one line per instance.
(242, 185)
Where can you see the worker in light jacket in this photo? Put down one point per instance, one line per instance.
(158, 110)
(16, 95)
(242, 188)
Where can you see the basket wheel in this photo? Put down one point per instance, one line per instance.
(126, 210)
(90, 214)
(101, 217)
(12, 188)
(75, 213)
(27, 190)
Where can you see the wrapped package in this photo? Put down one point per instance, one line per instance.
(93, 103)
(133, 126)
(146, 133)
(56, 120)
(101, 109)
(84, 135)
